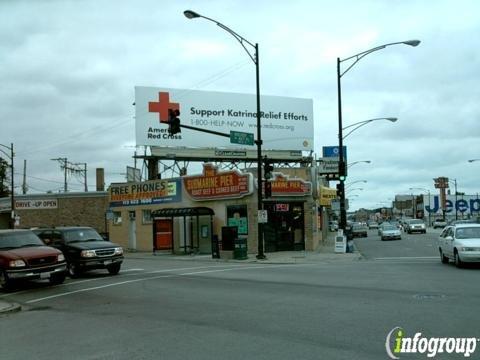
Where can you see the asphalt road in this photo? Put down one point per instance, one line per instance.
(410, 246)
(173, 309)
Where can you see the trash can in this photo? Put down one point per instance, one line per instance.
(240, 249)
(215, 247)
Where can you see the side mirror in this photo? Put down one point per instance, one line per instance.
(449, 238)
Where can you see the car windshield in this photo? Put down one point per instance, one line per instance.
(468, 233)
(416, 222)
(15, 240)
(389, 227)
(78, 235)
(359, 227)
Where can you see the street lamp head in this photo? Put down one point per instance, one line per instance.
(412, 42)
(191, 14)
(392, 119)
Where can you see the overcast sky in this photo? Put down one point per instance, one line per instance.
(68, 71)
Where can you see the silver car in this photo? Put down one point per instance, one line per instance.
(391, 232)
(460, 243)
(415, 225)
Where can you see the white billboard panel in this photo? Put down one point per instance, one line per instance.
(287, 123)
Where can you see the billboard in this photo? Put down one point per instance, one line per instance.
(286, 123)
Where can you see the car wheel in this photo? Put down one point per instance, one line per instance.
(114, 269)
(443, 258)
(5, 281)
(458, 262)
(73, 270)
(57, 279)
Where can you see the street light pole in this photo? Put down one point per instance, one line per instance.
(341, 163)
(255, 58)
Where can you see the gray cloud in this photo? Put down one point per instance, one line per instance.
(68, 69)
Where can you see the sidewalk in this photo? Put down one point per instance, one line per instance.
(324, 254)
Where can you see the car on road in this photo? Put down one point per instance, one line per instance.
(373, 225)
(381, 226)
(439, 223)
(359, 230)
(415, 225)
(84, 249)
(460, 243)
(23, 256)
(391, 232)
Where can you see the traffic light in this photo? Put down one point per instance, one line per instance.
(340, 190)
(268, 169)
(174, 122)
(342, 171)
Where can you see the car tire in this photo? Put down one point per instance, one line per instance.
(443, 258)
(57, 279)
(5, 282)
(73, 270)
(114, 269)
(458, 261)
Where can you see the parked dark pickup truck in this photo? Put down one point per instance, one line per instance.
(84, 249)
(23, 256)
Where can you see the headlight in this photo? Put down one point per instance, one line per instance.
(16, 263)
(470, 249)
(118, 251)
(60, 258)
(88, 253)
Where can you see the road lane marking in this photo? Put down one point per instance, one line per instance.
(408, 258)
(236, 267)
(76, 282)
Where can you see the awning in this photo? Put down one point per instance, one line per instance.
(181, 212)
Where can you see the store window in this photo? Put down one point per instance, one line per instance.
(237, 215)
(146, 216)
(117, 218)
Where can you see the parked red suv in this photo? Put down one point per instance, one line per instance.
(23, 256)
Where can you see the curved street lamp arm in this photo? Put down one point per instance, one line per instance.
(238, 37)
(366, 52)
(363, 123)
(355, 182)
(6, 154)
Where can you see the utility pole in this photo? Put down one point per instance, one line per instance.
(84, 171)
(72, 168)
(24, 185)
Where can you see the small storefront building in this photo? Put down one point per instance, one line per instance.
(184, 215)
(57, 209)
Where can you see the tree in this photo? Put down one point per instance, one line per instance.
(4, 179)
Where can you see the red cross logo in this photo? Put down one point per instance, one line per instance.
(162, 106)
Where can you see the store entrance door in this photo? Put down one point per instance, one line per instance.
(285, 230)
(163, 234)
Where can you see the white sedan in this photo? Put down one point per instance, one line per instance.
(460, 243)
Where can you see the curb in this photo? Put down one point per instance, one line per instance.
(10, 308)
